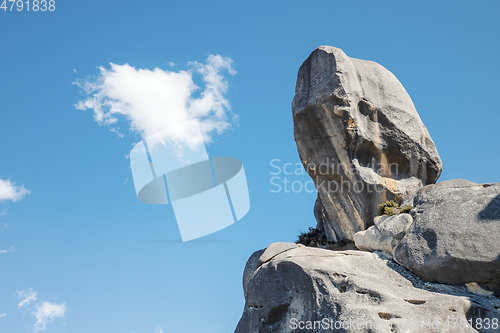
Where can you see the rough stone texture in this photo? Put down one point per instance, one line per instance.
(385, 234)
(359, 137)
(353, 288)
(455, 234)
(395, 226)
(276, 248)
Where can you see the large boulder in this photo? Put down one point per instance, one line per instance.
(292, 288)
(385, 234)
(360, 139)
(455, 235)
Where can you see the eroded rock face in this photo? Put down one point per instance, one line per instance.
(288, 287)
(385, 234)
(359, 137)
(455, 236)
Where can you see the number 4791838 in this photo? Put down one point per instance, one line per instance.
(29, 5)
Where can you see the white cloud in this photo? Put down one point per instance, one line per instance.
(27, 296)
(6, 251)
(10, 191)
(153, 100)
(4, 225)
(46, 313)
(159, 330)
(2, 315)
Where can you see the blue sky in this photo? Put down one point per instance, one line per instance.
(106, 262)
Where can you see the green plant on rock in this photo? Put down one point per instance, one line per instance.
(406, 209)
(387, 208)
(391, 207)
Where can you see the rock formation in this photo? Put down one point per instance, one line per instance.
(359, 137)
(385, 234)
(292, 288)
(455, 236)
(361, 140)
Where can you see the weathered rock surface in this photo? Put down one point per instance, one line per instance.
(291, 288)
(385, 234)
(455, 236)
(359, 137)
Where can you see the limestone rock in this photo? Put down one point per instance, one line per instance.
(385, 234)
(455, 234)
(395, 226)
(359, 137)
(474, 288)
(302, 287)
(372, 240)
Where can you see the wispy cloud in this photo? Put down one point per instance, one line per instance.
(27, 297)
(46, 313)
(10, 191)
(153, 100)
(159, 330)
(7, 251)
(4, 225)
(2, 315)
